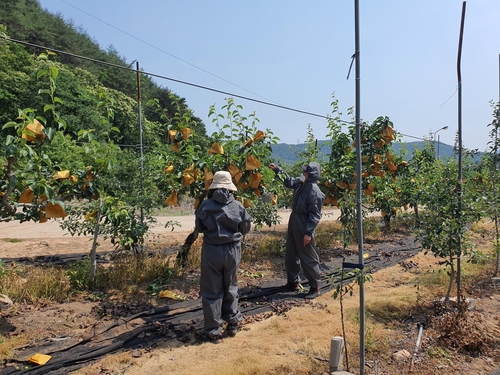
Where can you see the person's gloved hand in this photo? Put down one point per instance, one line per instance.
(307, 239)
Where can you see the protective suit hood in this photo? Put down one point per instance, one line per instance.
(222, 196)
(313, 169)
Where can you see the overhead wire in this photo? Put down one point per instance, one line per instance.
(174, 80)
(163, 51)
(451, 96)
(5, 38)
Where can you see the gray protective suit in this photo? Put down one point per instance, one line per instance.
(306, 213)
(223, 221)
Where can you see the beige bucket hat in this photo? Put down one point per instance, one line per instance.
(222, 179)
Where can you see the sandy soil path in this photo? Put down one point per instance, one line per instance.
(47, 239)
(51, 229)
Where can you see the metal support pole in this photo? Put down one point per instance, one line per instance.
(438, 148)
(359, 206)
(141, 169)
(460, 190)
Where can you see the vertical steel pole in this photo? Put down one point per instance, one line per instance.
(434, 142)
(495, 174)
(359, 206)
(460, 191)
(141, 169)
(438, 148)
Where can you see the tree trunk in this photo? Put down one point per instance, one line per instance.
(387, 222)
(415, 207)
(497, 246)
(183, 254)
(93, 250)
(342, 320)
(452, 277)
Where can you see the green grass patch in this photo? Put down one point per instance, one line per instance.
(391, 308)
(432, 278)
(263, 246)
(12, 240)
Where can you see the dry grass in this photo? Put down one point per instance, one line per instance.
(262, 246)
(35, 284)
(138, 270)
(194, 258)
(39, 285)
(7, 346)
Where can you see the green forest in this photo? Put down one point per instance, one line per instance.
(81, 80)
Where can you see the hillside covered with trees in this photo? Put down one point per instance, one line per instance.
(80, 78)
(289, 154)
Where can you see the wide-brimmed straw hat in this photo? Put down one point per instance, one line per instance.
(222, 179)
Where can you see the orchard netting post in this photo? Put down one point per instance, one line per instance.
(495, 174)
(141, 145)
(359, 206)
(459, 185)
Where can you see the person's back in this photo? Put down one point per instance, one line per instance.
(223, 221)
(219, 218)
(306, 214)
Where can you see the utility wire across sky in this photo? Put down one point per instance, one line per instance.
(2, 35)
(170, 79)
(165, 52)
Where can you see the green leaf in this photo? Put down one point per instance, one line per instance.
(42, 119)
(54, 71)
(41, 73)
(48, 107)
(50, 132)
(9, 139)
(10, 124)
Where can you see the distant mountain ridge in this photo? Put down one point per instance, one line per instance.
(286, 154)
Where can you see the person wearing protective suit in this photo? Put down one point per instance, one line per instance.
(306, 212)
(223, 221)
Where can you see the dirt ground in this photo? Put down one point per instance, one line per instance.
(32, 239)
(273, 344)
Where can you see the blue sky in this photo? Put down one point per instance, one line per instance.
(297, 54)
